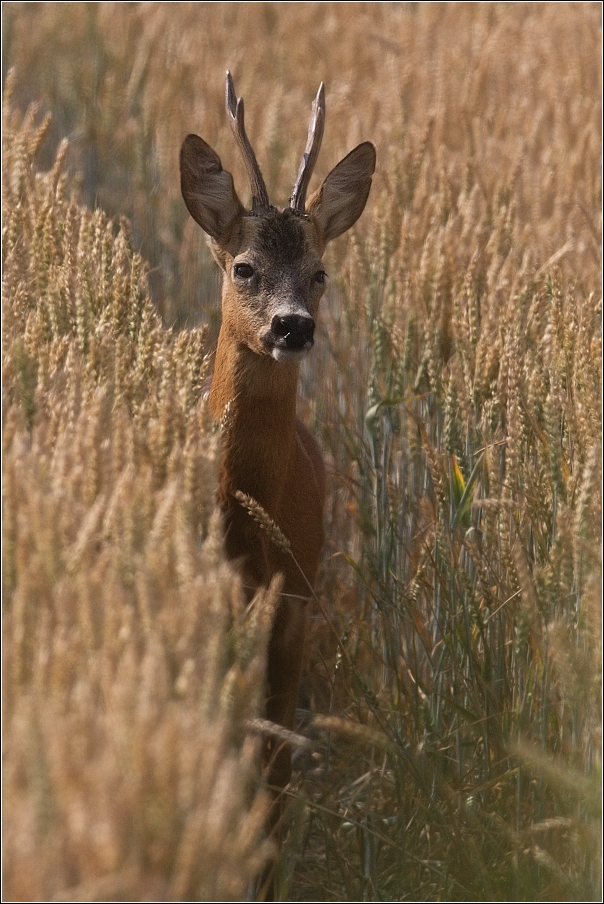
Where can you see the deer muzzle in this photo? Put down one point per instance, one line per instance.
(292, 333)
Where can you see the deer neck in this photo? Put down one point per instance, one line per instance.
(256, 396)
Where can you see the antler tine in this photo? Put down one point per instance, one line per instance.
(311, 152)
(234, 107)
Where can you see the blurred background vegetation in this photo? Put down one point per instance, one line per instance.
(455, 388)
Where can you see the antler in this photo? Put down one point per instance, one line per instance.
(234, 107)
(311, 152)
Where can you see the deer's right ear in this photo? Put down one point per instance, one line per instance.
(208, 190)
(340, 201)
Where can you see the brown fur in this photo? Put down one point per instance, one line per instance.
(268, 453)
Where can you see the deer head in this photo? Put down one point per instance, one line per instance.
(273, 273)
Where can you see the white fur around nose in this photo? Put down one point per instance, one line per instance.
(284, 354)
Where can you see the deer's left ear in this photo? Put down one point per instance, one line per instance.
(208, 190)
(340, 201)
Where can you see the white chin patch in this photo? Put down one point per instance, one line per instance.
(284, 354)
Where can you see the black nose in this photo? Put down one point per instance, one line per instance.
(297, 332)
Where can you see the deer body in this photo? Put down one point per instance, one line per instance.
(272, 284)
(270, 456)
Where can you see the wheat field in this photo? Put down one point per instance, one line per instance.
(450, 734)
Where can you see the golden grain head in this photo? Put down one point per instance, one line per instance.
(261, 517)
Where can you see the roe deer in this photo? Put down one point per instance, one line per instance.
(273, 282)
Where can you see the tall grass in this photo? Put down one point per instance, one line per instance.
(130, 664)
(455, 387)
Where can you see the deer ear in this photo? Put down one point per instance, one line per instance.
(208, 190)
(340, 201)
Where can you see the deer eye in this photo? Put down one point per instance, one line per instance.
(320, 277)
(243, 271)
